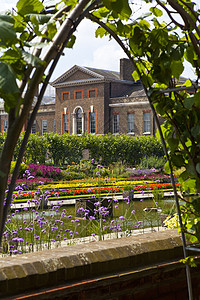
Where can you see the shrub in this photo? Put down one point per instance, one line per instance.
(23, 168)
(148, 162)
(36, 150)
(45, 171)
(67, 148)
(71, 175)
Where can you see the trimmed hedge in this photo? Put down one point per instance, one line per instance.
(65, 149)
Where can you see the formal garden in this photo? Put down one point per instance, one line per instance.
(87, 199)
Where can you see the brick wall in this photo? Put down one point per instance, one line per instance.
(85, 102)
(139, 267)
(126, 69)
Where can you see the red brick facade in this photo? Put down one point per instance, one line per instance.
(91, 99)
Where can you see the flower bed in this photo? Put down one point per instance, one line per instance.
(146, 187)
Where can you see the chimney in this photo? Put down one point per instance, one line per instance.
(126, 69)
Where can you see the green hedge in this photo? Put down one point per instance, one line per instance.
(65, 149)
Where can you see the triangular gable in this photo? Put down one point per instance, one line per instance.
(77, 73)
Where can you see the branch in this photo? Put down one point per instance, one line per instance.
(34, 112)
(177, 89)
(112, 33)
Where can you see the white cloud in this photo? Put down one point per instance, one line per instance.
(5, 5)
(107, 57)
(89, 51)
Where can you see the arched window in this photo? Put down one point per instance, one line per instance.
(79, 128)
(78, 120)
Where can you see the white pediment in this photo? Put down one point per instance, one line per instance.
(76, 74)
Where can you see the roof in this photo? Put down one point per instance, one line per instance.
(91, 74)
(105, 73)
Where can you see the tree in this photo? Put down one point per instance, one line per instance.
(32, 39)
(158, 50)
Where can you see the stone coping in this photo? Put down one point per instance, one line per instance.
(25, 272)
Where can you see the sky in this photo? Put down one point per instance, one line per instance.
(88, 51)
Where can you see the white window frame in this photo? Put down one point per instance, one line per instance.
(44, 126)
(74, 120)
(131, 123)
(147, 123)
(92, 122)
(33, 128)
(115, 123)
(66, 123)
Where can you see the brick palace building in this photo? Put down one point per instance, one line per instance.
(89, 100)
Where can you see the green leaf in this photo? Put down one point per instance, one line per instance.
(40, 18)
(8, 86)
(144, 24)
(190, 170)
(197, 229)
(167, 168)
(197, 99)
(195, 130)
(196, 204)
(189, 55)
(100, 32)
(7, 33)
(71, 42)
(188, 102)
(177, 68)
(11, 56)
(198, 167)
(26, 7)
(31, 59)
(7, 79)
(178, 160)
(157, 12)
(51, 27)
(101, 13)
(136, 76)
(6, 18)
(120, 7)
(189, 185)
(187, 83)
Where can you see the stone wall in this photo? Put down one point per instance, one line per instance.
(138, 267)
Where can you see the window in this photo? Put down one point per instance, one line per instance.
(79, 121)
(44, 126)
(147, 122)
(92, 93)
(33, 129)
(78, 94)
(5, 125)
(131, 121)
(66, 123)
(115, 123)
(92, 122)
(65, 96)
